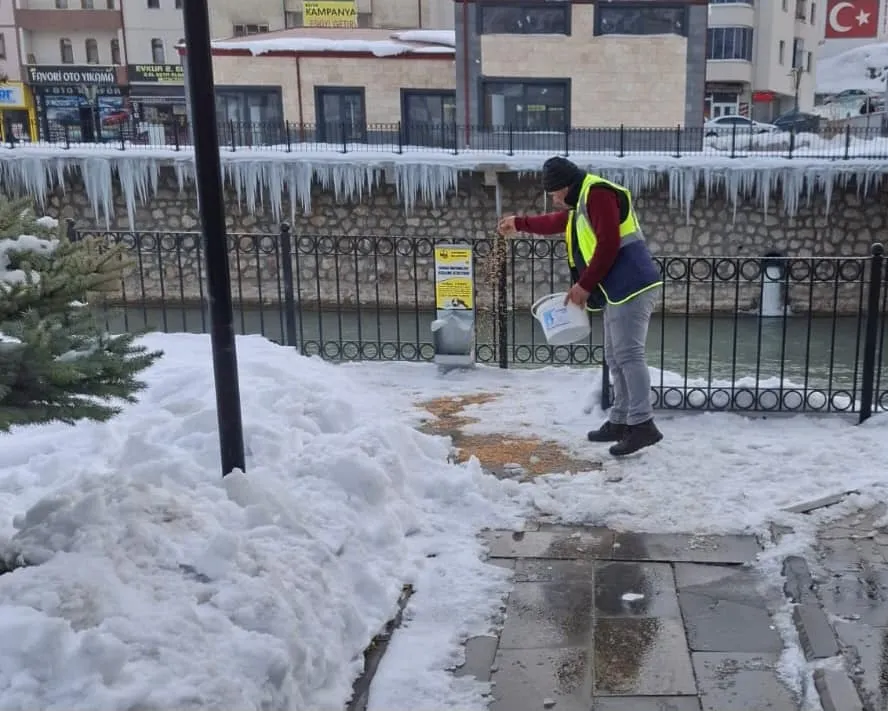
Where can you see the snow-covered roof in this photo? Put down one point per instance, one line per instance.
(864, 68)
(379, 43)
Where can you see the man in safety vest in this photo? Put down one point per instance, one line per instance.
(614, 268)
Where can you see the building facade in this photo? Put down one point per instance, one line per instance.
(71, 54)
(760, 56)
(634, 64)
(332, 92)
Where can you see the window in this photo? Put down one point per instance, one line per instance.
(809, 61)
(154, 4)
(2, 46)
(178, 4)
(341, 114)
(245, 30)
(61, 4)
(813, 12)
(157, 55)
(92, 51)
(781, 52)
(526, 105)
(729, 43)
(66, 50)
(115, 52)
(616, 19)
(255, 115)
(525, 19)
(798, 51)
(87, 5)
(428, 117)
(109, 4)
(785, 5)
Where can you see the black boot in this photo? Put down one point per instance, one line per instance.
(608, 432)
(637, 437)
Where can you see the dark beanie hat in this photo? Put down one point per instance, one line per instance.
(560, 173)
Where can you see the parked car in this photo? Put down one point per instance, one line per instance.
(846, 95)
(798, 122)
(727, 125)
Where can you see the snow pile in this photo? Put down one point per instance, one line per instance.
(156, 584)
(442, 37)
(864, 68)
(780, 141)
(378, 48)
(265, 176)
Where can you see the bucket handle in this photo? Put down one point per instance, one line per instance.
(543, 299)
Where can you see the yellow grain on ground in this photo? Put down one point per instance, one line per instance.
(534, 455)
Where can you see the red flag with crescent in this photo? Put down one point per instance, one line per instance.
(852, 19)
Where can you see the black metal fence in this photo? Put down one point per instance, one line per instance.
(770, 334)
(867, 142)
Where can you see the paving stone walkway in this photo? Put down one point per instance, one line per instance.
(850, 582)
(605, 621)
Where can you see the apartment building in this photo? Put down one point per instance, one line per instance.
(71, 58)
(607, 64)
(760, 56)
(16, 106)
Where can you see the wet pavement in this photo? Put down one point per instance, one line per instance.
(851, 584)
(605, 621)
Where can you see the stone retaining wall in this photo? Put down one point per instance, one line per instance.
(385, 270)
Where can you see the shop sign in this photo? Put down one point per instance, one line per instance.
(329, 13)
(77, 91)
(763, 97)
(12, 95)
(156, 73)
(71, 74)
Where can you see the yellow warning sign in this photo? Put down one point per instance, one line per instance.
(329, 13)
(454, 279)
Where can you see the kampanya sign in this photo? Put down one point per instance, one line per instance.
(72, 75)
(329, 13)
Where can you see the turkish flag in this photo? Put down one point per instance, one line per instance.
(852, 19)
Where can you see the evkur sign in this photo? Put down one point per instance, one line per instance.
(852, 19)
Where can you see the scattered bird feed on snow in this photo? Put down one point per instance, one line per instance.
(507, 456)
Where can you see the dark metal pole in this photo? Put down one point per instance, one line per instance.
(212, 217)
(871, 337)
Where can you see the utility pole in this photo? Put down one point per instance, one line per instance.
(208, 170)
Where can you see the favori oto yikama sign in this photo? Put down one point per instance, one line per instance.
(852, 19)
(454, 280)
(329, 13)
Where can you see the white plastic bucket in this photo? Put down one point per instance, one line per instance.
(562, 323)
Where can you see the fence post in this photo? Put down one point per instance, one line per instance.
(871, 333)
(511, 145)
(678, 141)
(502, 314)
(289, 138)
(733, 140)
(622, 140)
(792, 137)
(289, 296)
(400, 138)
(566, 141)
(847, 141)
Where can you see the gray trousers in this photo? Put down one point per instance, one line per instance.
(625, 338)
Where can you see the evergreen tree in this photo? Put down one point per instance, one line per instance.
(56, 362)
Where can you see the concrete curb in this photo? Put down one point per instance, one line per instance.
(818, 638)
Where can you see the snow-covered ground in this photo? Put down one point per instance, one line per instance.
(156, 584)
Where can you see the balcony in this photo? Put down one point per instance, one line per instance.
(61, 21)
(729, 71)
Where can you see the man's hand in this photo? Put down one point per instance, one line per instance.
(577, 295)
(506, 226)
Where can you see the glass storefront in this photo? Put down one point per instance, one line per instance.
(68, 113)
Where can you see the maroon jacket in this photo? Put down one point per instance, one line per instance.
(604, 214)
